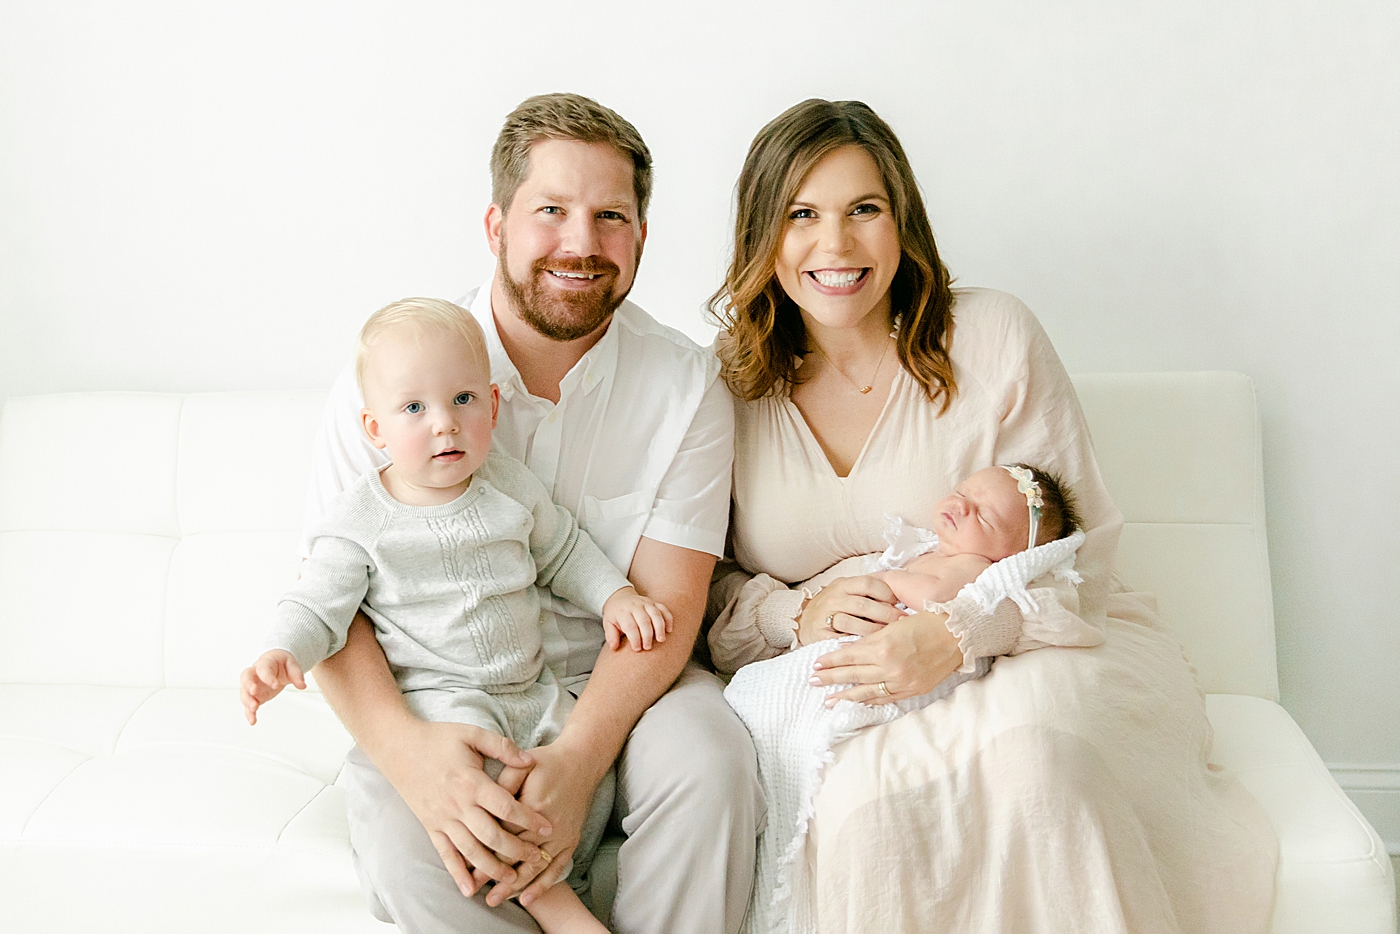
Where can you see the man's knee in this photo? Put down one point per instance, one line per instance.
(401, 873)
(389, 843)
(691, 746)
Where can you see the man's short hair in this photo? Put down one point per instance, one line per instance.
(564, 116)
(426, 315)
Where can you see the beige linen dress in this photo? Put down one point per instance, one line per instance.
(1070, 789)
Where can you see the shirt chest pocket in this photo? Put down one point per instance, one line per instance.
(616, 524)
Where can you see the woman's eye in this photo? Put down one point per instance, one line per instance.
(462, 398)
(413, 408)
(802, 214)
(866, 209)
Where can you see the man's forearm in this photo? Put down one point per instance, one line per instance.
(625, 683)
(357, 683)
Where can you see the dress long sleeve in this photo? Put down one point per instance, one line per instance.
(1068, 784)
(755, 617)
(1015, 402)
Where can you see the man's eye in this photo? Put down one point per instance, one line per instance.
(413, 408)
(551, 209)
(611, 216)
(462, 398)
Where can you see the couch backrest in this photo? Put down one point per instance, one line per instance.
(1181, 456)
(144, 538)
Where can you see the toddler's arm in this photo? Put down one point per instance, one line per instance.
(273, 671)
(311, 622)
(640, 619)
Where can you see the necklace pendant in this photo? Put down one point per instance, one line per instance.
(866, 389)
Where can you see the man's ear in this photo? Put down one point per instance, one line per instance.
(643, 243)
(495, 217)
(495, 404)
(371, 427)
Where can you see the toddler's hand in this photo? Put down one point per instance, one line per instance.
(274, 670)
(641, 619)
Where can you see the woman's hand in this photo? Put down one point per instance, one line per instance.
(909, 657)
(854, 606)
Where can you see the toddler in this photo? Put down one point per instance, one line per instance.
(444, 550)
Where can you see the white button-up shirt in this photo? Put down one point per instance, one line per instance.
(641, 443)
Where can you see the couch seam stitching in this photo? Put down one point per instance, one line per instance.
(49, 794)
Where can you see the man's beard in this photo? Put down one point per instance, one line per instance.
(563, 315)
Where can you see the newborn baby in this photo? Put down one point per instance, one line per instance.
(996, 514)
(991, 515)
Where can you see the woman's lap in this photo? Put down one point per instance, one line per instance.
(1066, 791)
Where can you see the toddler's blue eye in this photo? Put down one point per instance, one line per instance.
(413, 408)
(462, 398)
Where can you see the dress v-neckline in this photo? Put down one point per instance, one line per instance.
(810, 437)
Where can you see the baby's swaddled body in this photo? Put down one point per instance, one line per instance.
(795, 732)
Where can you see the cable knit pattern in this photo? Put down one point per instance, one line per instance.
(452, 590)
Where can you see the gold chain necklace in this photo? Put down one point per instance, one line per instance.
(854, 385)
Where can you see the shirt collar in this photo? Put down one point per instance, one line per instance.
(503, 371)
(597, 365)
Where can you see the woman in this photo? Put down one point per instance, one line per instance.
(1066, 791)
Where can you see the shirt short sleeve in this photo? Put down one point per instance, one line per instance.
(340, 455)
(692, 503)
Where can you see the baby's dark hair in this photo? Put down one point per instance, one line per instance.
(1059, 517)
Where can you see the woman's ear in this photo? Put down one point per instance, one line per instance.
(371, 426)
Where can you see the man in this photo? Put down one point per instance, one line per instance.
(627, 425)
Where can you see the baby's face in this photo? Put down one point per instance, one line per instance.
(431, 405)
(984, 515)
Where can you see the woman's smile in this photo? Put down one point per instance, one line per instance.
(838, 281)
(840, 247)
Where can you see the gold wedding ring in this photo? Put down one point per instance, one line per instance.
(829, 624)
(547, 858)
(884, 691)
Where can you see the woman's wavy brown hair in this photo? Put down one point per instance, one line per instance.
(766, 334)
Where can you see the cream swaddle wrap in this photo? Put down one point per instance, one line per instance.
(796, 736)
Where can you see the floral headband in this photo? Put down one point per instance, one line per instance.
(1025, 483)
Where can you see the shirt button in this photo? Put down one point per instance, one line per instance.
(553, 417)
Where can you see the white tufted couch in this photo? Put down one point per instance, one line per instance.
(141, 553)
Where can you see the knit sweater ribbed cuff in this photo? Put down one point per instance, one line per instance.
(301, 632)
(587, 578)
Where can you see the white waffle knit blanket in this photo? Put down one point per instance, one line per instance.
(796, 736)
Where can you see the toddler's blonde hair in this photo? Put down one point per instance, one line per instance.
(425, 315)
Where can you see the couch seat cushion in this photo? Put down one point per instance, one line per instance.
(177, 766)
(1334, 874)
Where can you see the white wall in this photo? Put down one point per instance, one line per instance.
(214, 195)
